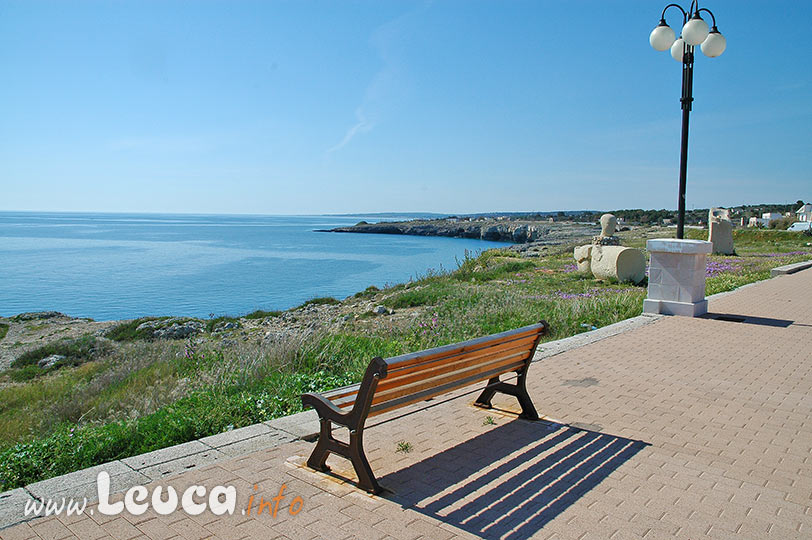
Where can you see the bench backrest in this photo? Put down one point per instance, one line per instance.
(409, 378)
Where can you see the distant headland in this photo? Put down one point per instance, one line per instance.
(498, 229)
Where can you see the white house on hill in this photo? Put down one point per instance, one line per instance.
(765, 219)
(804, 213)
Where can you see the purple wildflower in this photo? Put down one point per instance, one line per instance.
(715, 268)
(594, 292)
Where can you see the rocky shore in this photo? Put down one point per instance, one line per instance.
(28, 331)
(498, 230)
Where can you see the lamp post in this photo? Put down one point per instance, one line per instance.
(694, 32)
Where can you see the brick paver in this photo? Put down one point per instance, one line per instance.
(686, 428)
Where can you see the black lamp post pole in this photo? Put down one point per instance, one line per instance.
(685, 100)
(713, 44)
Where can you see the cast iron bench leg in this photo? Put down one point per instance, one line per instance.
(318, 458)
(366, 478)
(519, 390)
(354, 451)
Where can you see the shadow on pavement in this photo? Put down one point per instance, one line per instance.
(747, 319)
(511, 480)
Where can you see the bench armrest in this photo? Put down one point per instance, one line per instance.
(324, 407)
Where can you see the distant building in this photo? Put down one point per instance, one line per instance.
(804, 213)
(758, 222)
(765, 219)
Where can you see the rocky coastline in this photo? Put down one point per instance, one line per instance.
(498, 229)
(28, 331)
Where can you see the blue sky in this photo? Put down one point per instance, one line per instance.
(305, 107)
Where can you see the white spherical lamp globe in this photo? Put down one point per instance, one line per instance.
(695, 31)
(678, 49)
(662, 37)
(714, 45)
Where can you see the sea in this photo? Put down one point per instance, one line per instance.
(122, 266)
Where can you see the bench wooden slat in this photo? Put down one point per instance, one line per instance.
(400, 378)
(405, 360)
(457, 375)
(342, 391)
(436, 391)
(503, 361)
(442, 372)
(393, 378)
(527, 342)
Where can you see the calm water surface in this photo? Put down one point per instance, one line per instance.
(115, 266)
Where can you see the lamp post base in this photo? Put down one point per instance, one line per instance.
(668, 307)
(676, 282)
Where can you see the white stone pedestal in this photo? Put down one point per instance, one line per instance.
(676, 277)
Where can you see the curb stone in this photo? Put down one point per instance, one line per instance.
(790, 268)
(552, 348)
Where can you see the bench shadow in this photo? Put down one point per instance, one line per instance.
(511, 480)
(747, 319)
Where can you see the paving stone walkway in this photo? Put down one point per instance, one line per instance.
(683, 428)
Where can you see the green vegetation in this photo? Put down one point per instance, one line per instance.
(74, 351)
(128, 331)
(420, 295)
(369, 292)
(260, 314)
(212, 324)
(783, 223)
(200, 414)
(697, 215)
(108, 404)
(404, 447)
(320, 301)
(3, 330)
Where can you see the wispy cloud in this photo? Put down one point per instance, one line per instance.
(362, 126)
(387, 86)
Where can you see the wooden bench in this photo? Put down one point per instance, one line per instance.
(401, 380)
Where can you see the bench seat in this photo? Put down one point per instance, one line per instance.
(395, 382)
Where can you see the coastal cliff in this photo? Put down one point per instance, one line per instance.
(513, 231)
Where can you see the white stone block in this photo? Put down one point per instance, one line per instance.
(677, 277)
(685, 309)
(673, 245)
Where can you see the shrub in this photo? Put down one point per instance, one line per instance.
(3, 330)
(75, 351)
(260, 314)
(428, 294)
(320, 301)
(369, 292)
(782, 224)
(212, 324)
(128, 331)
